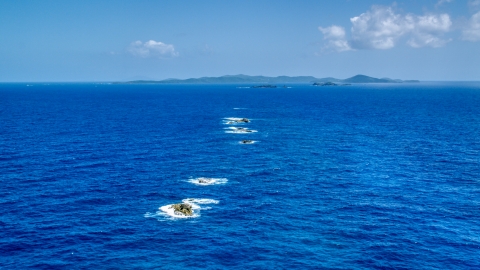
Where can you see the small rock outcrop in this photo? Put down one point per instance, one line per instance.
(244, 130)
(325, 84)
(204, 180)
(264, 86)
(238, 121)
(183, 208)
(243, 120)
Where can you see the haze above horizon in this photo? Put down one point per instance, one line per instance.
(431, 40)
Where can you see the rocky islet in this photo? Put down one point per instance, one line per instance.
(186, 209)
(182, 209)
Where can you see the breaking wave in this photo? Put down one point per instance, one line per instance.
(200, 201)
(239, 130)
(247, 142)
(235, 120)
(169, 212)
(206, 181)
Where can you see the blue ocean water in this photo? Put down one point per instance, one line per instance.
(353, 177)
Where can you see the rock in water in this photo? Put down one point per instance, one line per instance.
(243, 120)
(325, 84)
(204, 180)
(183, 208)
(247, 141)
(264, 86)
(244, 129)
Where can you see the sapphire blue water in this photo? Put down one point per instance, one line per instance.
(351, 177)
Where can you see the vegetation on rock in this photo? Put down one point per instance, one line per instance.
(183, 208)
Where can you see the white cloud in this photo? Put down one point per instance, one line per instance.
(423, 40)
(381, 28)
(472, 32)
(428, 30)
(152, 48)
(441, 2)
(474, 3)
(434, 23)
(333, 32)
(336, 38)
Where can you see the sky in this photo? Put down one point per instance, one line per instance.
(100, 41)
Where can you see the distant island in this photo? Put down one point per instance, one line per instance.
(270, 80)
(264, 86)
(328, 84)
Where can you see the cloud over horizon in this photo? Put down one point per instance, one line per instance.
(381, 28)
(429, 29)
(336, 38)
(152, 48)
(472, 31)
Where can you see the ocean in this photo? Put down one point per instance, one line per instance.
(367, 176)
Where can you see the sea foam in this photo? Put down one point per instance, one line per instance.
(206, 181)
(196, 204)
(234, 120)
(247, 142)
(239, 130)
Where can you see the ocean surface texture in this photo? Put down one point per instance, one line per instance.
(347, 177)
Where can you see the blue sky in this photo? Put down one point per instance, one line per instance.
(123, 40)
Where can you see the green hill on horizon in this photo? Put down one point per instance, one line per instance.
(240, 78)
